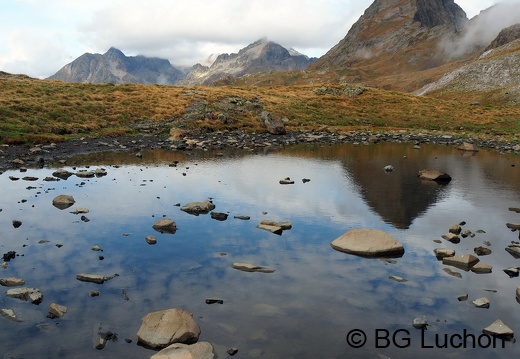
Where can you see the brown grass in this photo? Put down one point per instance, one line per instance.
(49, 111)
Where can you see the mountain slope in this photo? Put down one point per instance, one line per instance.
(396, 36)
(115, 67)
(262, 55)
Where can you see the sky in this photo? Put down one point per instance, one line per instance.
(38, 37)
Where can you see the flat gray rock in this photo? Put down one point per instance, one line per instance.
(465, 261)
(163, 328)
(248, 267)
(368, 243)
(499, 328)
(33, 295)
(11, 282)
(94, 278)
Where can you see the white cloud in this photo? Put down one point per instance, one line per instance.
(39, 37)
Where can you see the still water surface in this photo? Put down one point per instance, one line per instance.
(316, 296)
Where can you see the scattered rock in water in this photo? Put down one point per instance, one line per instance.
(481, 268)
(30, 178)
(434, 175)
(305, 180)
(243, 218)
(286, 180)
(443, 252)
(62, 174)
(165, 225)
(80, 210)
(452, 272)
(499, 329)
(9, 314)
(514, 250)
(513, 226)
(465, 261)
(100, 172)
(481, 302)
(85, 174)
(455, 229)
(101, 337)
(467, 233)
(469, 147)
(11, 282)
(219, 216)
(451, 237)
(232, 351)
(482, 251)
(368, 243)
(398, 279)
(17, 223)
(163, 328)
(57, 310)
(94, 278)
(463, 297)
(94, 293)
(514, 209)
(200, 350)
(518, 294)
(150, 239)
(63, 201)
(96, 249)
(420, 322)
(389, 168)
(197, 208)
(512, 272)
(214, 301)
(248, 267)
(8, 256)
(33, 295)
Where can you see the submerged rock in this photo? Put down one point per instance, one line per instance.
(248, 267)
(201, 350)
(434, 175)
(9, 314)
(368, 243)
(163, 328)
(94, 278)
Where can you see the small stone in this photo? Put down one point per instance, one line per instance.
(463, 297)
(165, 225)
(57, 310)
(232, 351)
(11, 282)
(434, 175)
(389, 168)
(420, 322)
(219, 216)
(17, 223)
(481, 303)
(482, 251)
(94, 278)
(451, 237)
(33, 295)
(63, 201)
(214, 301)
(443, 253)
(94, 293)
(518, 294)
(9, 314)
(455, 229)
(286, 180)
(512, 271)
(150, 240)
(398, 279)
(97, 249)
(248, 267)
(481, 268)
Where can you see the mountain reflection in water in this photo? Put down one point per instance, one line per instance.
(316, 296)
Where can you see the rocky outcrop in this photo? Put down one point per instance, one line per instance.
(114, 67)
(411, 28)
(505, 36)
(260, 56)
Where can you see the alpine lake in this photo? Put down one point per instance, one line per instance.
(318, 302)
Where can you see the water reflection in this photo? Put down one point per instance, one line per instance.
(316, 296)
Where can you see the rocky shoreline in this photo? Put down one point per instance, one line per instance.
(37, 155)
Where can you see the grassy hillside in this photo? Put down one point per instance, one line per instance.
(40, 111)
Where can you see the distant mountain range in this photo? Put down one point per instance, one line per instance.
(418, 46)
(115, 67)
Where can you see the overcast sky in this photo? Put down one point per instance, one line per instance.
(38, 37)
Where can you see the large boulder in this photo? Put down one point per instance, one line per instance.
(163, 328)
(197, 208)
(202, 350)
(368, 243)
(274, 125)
